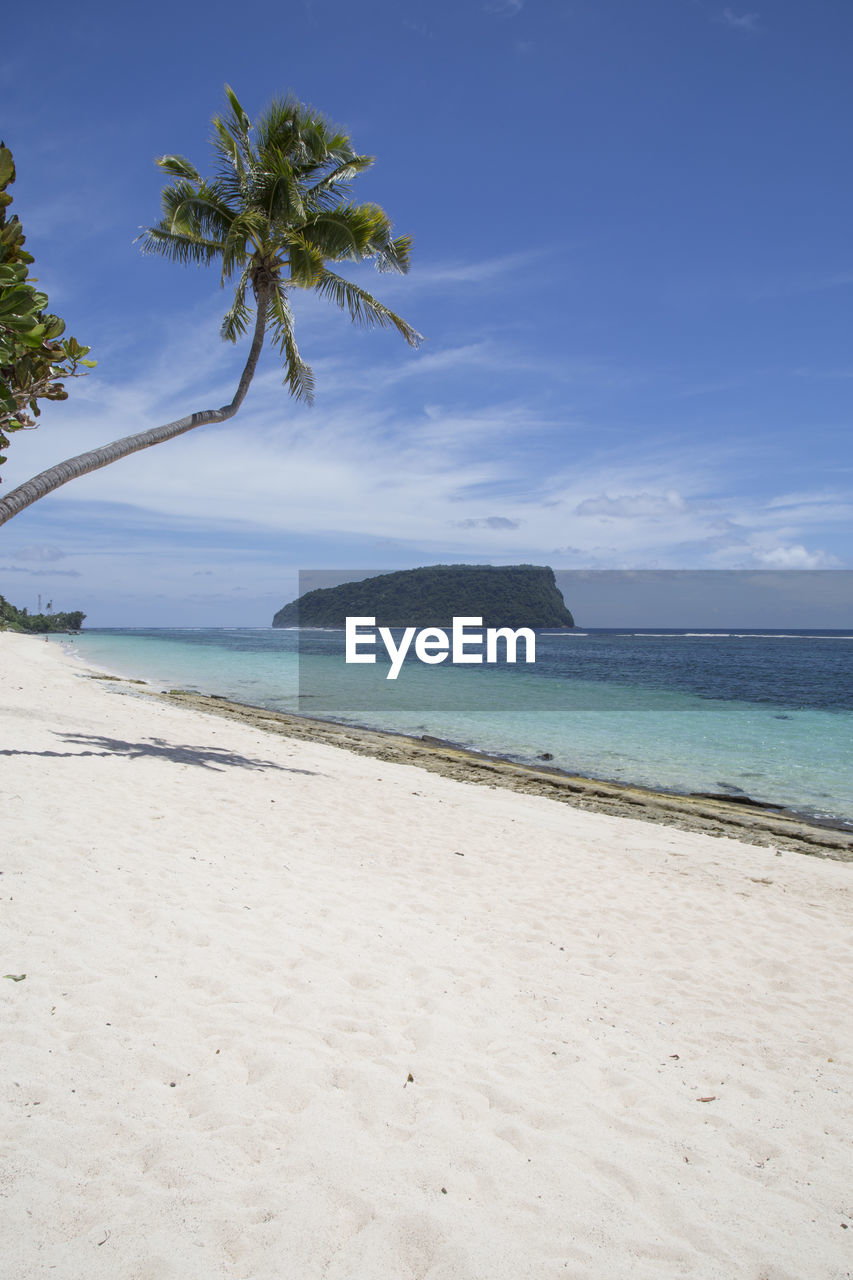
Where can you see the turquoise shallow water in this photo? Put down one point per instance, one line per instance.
(769, 716)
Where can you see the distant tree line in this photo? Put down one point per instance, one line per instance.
(13, 619)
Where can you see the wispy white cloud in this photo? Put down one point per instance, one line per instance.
(40, 573)
(795, 286)
(796, 557)
(761, 551)
(440, 274)
(629, 506)
(804, 510)
(383, 462)
(42, 553)
(429, 365)
(504, 8)
(361, 470)
(489, 522)
(740, 21)
(824, 375)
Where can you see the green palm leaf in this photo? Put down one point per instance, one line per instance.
(179, 167)
(236, 319)
(298, 375)
(363, 308)
(179, 248)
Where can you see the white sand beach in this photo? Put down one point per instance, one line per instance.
(291, 1013)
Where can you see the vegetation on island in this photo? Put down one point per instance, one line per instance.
(274, 215)
(521, 595)
(13, 619)
(34, 357)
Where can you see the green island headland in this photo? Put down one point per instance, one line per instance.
(519, 595)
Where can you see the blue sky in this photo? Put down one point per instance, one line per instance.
(632, 267)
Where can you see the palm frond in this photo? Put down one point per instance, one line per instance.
(344, 169)
(235, 322)
(166, 243)
(196, 209)
(278, 191)
(313, 146)
(276, 124)
(231, 173)
(179, 167)
(232, 145)
(348, 231)
(388, 253)
(240, 118)
(396, 255)
(339, 150)
(307, 262)
(299, 378)
(358, 232)
(287, 127)
(314, 140)
(335, 235)
(363, 308)
(246, 235)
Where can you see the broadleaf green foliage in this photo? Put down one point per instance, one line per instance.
(33, 360)
(275, 213)
(518, 595)
(13, 619)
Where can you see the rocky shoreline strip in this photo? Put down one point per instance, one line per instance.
(747, 821)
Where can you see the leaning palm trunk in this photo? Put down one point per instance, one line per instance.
(46, 481)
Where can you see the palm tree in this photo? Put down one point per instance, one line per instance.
(277, 211)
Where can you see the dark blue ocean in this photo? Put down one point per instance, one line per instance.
(764, 715)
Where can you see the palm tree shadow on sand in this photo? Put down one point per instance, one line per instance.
(158, 748)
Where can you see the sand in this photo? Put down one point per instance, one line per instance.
(292, 1012)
